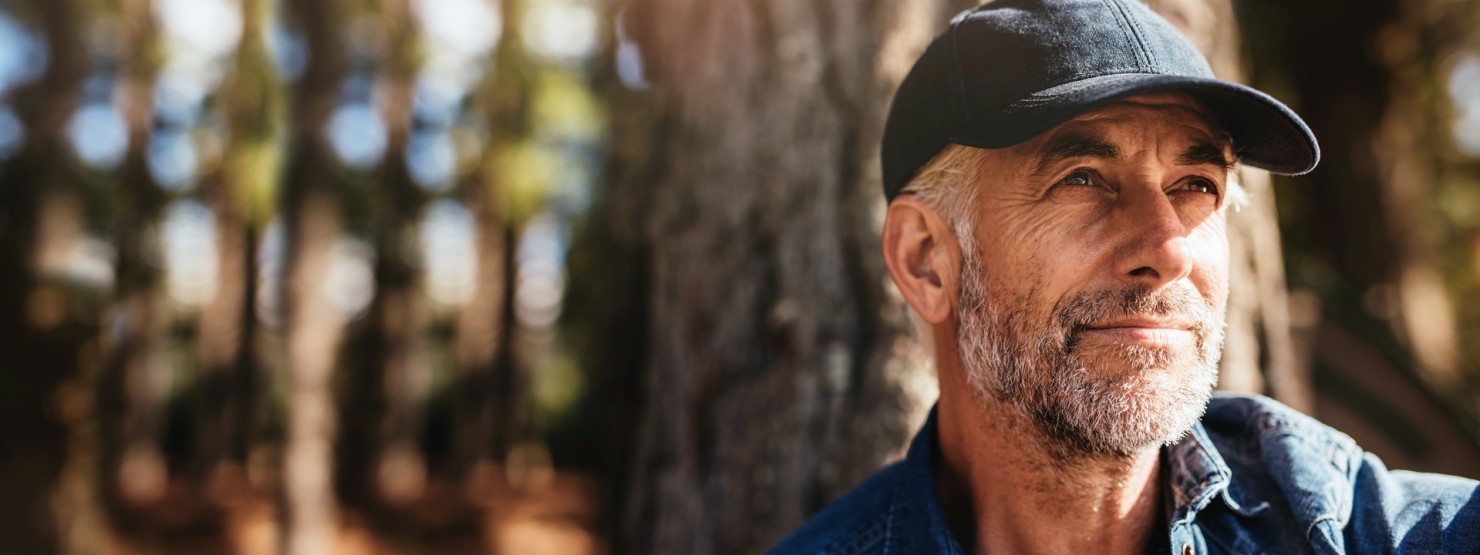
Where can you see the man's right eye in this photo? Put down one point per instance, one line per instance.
(1076, 179)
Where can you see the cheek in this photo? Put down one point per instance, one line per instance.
(1210, 272)
(1031, 273)
(1047, 243)
(1033, 252)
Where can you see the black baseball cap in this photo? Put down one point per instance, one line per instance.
(1007, 71)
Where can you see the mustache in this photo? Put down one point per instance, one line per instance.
(1075, 314)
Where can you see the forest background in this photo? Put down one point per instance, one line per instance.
(590, 276)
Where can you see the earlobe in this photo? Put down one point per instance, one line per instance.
(922, 259)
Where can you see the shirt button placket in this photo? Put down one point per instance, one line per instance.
(1184, 539)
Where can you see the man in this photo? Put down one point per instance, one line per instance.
(1060, 176)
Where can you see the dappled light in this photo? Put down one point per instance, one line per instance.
(1464, 90)
(586, 276)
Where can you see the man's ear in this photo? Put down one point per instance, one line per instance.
(923, 257)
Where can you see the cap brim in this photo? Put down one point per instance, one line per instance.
(1267, 134)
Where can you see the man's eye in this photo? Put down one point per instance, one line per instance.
(1202, 186)
(1077, 179)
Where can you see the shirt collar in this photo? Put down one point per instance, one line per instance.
(916, 524)
(1196, 475)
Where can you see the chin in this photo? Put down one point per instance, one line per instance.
(1137, 406)
(1130, 360)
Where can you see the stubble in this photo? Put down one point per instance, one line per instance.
(1022, 357)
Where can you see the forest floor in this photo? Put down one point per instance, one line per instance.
(552, 512)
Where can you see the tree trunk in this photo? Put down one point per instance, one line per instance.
(491, 399)
(312, 326)
(379, 462)
(41, 344)
(230, 401)
(137, 375)
(230, 393)
(774, 371)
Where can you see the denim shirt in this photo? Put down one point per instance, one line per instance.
(1254, 476)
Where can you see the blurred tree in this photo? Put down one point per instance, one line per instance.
(1355, 80)
(137, 374)
(490, 405)
(42, 343)
(312, 324)
(379, 463)
(1362, 228)
(774, 376)
(229, 400)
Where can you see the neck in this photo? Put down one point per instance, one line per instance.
(1005, 488)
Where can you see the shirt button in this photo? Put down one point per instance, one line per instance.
(1187, 548)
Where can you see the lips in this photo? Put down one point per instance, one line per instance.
(1177, 324)
(1148, 331)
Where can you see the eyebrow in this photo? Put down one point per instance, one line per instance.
(1073, 145)
(1204, 152)
(1079, 145)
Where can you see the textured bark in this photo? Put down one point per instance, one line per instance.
(1259, 355)
(312, 326)
(41, 345)
(774, 371)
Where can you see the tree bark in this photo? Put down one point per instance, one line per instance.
(774, 372)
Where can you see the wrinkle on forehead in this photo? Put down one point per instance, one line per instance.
(1109, 124)
(1129, 121)
(1178, 105)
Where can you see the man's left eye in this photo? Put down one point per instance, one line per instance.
(1202, 186)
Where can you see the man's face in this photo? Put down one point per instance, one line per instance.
(1095, 283)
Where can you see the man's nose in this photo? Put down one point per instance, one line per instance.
(1155, 249)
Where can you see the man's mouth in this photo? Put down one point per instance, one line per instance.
(1145, 331)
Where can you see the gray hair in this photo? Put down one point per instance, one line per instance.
(948, 185)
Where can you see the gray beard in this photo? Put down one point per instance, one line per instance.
(1030, 362)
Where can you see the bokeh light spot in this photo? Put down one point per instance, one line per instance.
(173, 160)
(358, 135)
(98, 134)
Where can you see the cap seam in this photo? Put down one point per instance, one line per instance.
(1143, 53)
